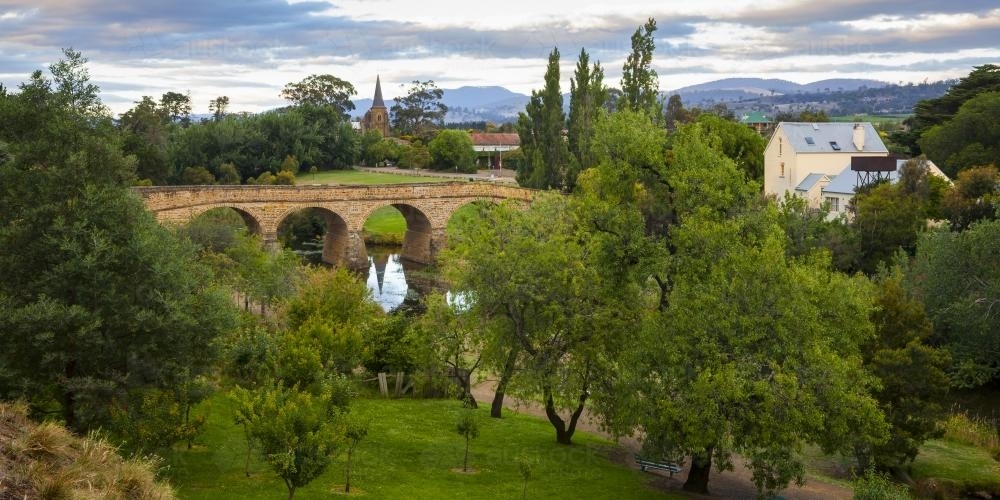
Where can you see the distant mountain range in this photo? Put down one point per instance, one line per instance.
(739, 95)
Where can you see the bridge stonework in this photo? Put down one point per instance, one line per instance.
(426, 208)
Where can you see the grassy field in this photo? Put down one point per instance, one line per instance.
(410, 452)
(385, 226)
(362, 177)
(876, 119)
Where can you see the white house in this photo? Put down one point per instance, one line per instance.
(801, 158)
(839, 191)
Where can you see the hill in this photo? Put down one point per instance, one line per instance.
(839, 96)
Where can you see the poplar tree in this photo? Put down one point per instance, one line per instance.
(640, 86)
(587, 96)
(540, 128)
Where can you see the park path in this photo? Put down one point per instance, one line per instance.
(734, 484)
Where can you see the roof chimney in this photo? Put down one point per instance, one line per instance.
(859, 136)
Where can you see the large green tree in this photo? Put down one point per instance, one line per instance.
(969, 138)
(912, 382)
(937, 111)
(640, 85)
(452, 150)
(98, 299)
(956, 276)
(587, 96)
(419, 111)
(556, 316)
(322, 90)
(975, 196)
(540, 128)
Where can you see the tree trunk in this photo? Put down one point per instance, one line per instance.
(701, 467)
(508, 371)
(564, 433)
(347, 486)
(465, 463)
(291, 489)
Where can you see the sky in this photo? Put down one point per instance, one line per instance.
(249, 49)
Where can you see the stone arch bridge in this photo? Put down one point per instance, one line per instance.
(426, 208)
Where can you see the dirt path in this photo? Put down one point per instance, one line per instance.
(735, 485)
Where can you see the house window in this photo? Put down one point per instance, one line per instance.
(781, 173)
(779, 151)
(835, 146)
(834, 203)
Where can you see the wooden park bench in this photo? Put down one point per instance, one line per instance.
(645, 463)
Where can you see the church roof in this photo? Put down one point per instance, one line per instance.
(378, 102)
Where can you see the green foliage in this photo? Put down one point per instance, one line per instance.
(193, 176)
(356, 430)
(285, 178)
(956, 277)
(452, 150)
(218, 107)
(103, 300)
(322, 90)
(877, 486)
(974, 197)
(326, 323)
(911, 374)
(738, 142)
(467, 426)
(447, 344)
(937, 111)
(297, 431)
(540, 127)
(227, 174)
(968, 139)
(640, 85)
(587, 97)
(420, 110)
(289, 164)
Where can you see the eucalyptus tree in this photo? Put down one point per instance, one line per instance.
(322, 90)
(420, 110)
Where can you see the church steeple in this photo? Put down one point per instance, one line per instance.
(378, 102)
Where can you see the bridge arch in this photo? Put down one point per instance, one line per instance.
(337, 237)
(252, 222)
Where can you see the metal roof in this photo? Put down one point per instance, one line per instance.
(825, 136)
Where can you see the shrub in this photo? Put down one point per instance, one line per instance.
(876, 486)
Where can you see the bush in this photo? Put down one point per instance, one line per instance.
(975, 431)
(876, 486)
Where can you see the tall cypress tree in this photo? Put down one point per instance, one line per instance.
(587, 95)
(540, 127)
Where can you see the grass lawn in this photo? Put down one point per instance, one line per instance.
(410, 452)
(957, 464)
(385, 226)
(362, 177)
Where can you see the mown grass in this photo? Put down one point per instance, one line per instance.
(385, 226)
(960, 466)
(362, 177)
(410, 452)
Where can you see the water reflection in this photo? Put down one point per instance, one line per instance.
(394, 280)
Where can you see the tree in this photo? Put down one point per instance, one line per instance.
(218, 107)
(937, 111)
(640, 85)
(322, 90)
(73, 88)
(970, 138)
(298, 431)
(552, 314)
(177, 107)
(974, 197)
(540, 128)
(355, 432)
(452, 150)
(675, 112)
(420, 110)
(194, 176)
(738, 142)
(100, 300)
(146, 131)
(587, 97)
(449, 340)
(467, 426)
(956, 277)
(911, 374)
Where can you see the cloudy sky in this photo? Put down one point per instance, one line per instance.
(249, 49)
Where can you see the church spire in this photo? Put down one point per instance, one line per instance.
(378, 102)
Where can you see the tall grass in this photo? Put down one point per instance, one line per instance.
(974, 430)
